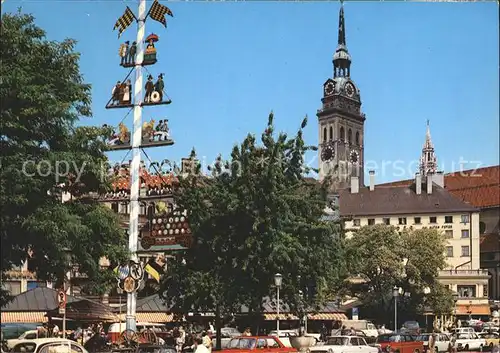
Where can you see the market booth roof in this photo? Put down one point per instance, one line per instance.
(86, 310)
(39, 299)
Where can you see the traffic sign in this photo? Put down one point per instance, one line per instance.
(61, 298)
(62, 311)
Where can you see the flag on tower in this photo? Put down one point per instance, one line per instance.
(124, 21)
(158, 12)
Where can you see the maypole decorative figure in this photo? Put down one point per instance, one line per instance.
(150, 54)
(130, 276)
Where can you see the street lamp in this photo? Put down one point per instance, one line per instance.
(277, 282)
(395, 294)
(455, 296)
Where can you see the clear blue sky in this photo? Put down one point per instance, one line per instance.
(227, 64)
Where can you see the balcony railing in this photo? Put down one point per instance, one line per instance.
(462, 273)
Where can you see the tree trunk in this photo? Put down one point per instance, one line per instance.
(218, 328)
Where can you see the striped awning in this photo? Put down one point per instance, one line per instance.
(327, 316)
(283, 317)
(24, 317)
(153, 317)
(320, 316)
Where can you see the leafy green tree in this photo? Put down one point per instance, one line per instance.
(256, 215)
(44, 155)
(410, 260)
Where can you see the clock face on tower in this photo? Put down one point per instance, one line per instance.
(328, 153)
(329, 88)
(349, 89)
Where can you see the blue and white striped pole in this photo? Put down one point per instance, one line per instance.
(136, 159)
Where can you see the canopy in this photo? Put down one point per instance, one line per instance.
(86, 310)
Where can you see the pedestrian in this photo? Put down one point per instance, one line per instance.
(207, 341)
(247, 332)
(199, 347)
(180, 340)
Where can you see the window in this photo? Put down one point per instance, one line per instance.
(349, 136)
(324, 134)
(417, 220)
(55, 347)
(485, 290)
(464, 218)
(402, 220)
(465, 251)
(342, 133)
(371, 221)
(357, 138)
(114, 207)
(449, 251)
(465, 233)
(432, 219)
(387, 221)
(331, 132)
(448, 234)
(448, 219)
(466, 291)
(14, 287)
(35, 284)
(356, 222)
(123, 208)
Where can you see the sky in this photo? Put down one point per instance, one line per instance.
(227, 64)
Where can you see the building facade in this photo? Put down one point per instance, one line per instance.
(427, 205)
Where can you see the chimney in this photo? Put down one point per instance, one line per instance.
(438, 178)
(354, 185)
(418, 183)
(429, 183)
(372, 180)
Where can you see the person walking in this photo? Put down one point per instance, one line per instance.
(207, 341)
(199, 347)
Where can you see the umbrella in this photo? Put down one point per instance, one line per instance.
(152, 37)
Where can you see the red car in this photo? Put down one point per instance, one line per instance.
(268, 344)
(399, 343)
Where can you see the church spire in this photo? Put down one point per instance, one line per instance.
(428, 160)
(341, 25)
(341, 58)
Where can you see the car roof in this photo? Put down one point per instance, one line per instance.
(47, 340)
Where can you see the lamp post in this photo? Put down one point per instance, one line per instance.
(277, 282)
(455, 296)
(395, 294)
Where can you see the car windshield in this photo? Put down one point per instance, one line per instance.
(423, 337)
(388, 338)
(337, 341)
(411, 324)
(153, 349)
(241, 343)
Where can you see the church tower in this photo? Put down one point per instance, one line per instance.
(340, 120)
(428, 160)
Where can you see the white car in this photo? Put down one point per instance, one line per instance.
(343, 344)
(441, 341)
(48, 345)
(470, 342)
(284, 336)
(28, 335)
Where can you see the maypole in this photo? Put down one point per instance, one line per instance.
(134, 56)
(136, 160)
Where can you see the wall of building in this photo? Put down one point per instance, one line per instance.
(462, 233)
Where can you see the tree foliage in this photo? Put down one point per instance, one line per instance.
(378, 254)
(256, 215)
(44, 154)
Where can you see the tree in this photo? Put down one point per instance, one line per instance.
(409, 260)
(255, 216)
(44, 155)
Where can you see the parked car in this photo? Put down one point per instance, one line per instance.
(343, 344)
(366, 326)
(48, 345)
(245, 344)
(400, 343)
(230, 332)
(492, 339)
(284, 336)
(411, 327)
(441, 341)
(28, 335)
(470, 342)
